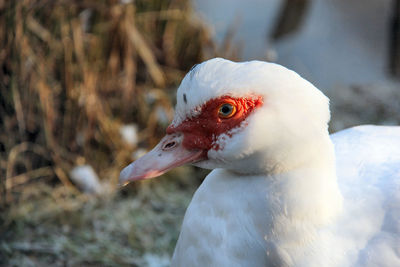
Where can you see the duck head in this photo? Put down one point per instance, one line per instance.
(250, 118)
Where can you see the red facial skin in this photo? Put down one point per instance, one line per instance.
(201, 132)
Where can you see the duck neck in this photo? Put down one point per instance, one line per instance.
(308, 192)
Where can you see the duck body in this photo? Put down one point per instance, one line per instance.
(283, 192)
(237, 227)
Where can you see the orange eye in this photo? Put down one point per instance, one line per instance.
(226, 111)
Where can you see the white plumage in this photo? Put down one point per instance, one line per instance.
(276, 196)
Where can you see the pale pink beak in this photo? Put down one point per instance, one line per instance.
(169, 153)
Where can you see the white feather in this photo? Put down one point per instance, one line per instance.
(277, 197)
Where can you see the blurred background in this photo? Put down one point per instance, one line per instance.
(87, 86)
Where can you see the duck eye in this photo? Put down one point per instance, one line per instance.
(226, 111)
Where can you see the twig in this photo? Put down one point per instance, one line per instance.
(27, 176)
(64, 179)
(143, 49)
(14, 152)
(18, 108)
(39, 30)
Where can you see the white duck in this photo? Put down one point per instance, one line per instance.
(276, 196)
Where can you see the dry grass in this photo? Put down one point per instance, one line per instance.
(72, 72)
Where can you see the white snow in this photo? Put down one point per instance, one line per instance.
(86, 179)
(129, 134)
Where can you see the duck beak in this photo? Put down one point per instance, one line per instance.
(168, 154)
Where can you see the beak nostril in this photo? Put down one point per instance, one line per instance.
(169, 145)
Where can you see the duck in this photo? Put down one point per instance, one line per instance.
(282, 190)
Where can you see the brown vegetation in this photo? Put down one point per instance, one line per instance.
(72, 73)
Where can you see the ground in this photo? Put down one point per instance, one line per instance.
(133, 226)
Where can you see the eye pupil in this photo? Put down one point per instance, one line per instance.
(226, 109)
